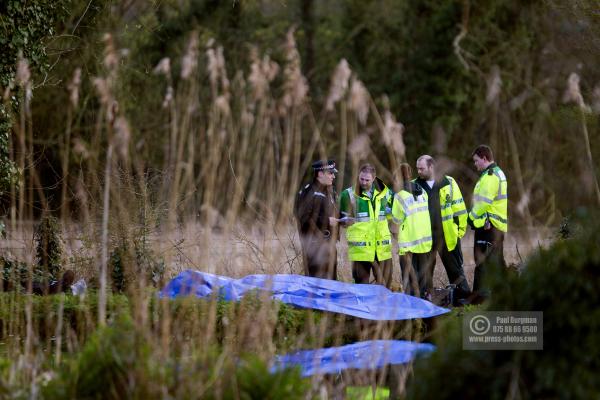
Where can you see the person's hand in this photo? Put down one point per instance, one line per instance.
(487, 225)
(333, 221)
(346, 221)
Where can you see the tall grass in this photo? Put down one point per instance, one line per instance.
(236, 149)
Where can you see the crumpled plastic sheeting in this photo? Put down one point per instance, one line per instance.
(374, 302)
(371, 354)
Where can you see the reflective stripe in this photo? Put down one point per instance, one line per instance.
(416, 210)
(383, 242)
(361, 244)
(456, 214)
(398, 221)
(451, 203)
(345, 214)
(362, 219)
(397, 197)
(499, 218)
(475, 216)
(401, 200)
(500, 179)
(482, 198)
(382, 217)
(502, 197)
(319, 194)
(415, 242)
(362, 214)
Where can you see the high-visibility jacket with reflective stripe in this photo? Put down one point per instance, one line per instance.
(454, 213)
(490, 199)
(412, 214)
(369, 235)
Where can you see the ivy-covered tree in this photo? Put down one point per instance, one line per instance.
(25, 27)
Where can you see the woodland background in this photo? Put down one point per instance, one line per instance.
(140, 138)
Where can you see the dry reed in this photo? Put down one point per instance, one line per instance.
(235, 154)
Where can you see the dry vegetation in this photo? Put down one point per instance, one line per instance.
(236, 149)
(222, 203)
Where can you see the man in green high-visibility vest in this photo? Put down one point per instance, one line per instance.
(366, 208)
(489, 217)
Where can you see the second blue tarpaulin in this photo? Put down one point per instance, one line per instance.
(374, 302)
(372, 354)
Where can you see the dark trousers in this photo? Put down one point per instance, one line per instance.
(453, 264)
(320, 258)
(488, 251)
(416, 280)
(382, 271)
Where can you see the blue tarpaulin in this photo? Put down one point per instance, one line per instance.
(372, 354)
(367, 301)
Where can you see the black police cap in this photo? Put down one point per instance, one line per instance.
(324, 165)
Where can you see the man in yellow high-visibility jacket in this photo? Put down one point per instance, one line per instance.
(411, 212)
(448, 216)
(489, 217)
(365, 208)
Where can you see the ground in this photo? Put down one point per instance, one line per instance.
(244, 251)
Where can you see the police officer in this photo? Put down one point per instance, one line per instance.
(316, 213)
(365, 208)
(448, 216)
(489, 217)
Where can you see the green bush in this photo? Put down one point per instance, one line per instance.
(78, 315)
(49, 259)
(561, 281)
(14, 273)
(105, 367)
(256, 382)
(132, 258)
(118, 362)
(49, 248)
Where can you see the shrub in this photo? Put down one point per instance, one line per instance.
(130, 259)
(49, 248)
(561, 281)
(118, 362)
(14, 273)
(105, 366)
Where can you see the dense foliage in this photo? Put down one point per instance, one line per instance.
(25, 29)
(117, 357)
(212, 349)
(455, 74)
(49, 249)
(557, 281)
(121, 114)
